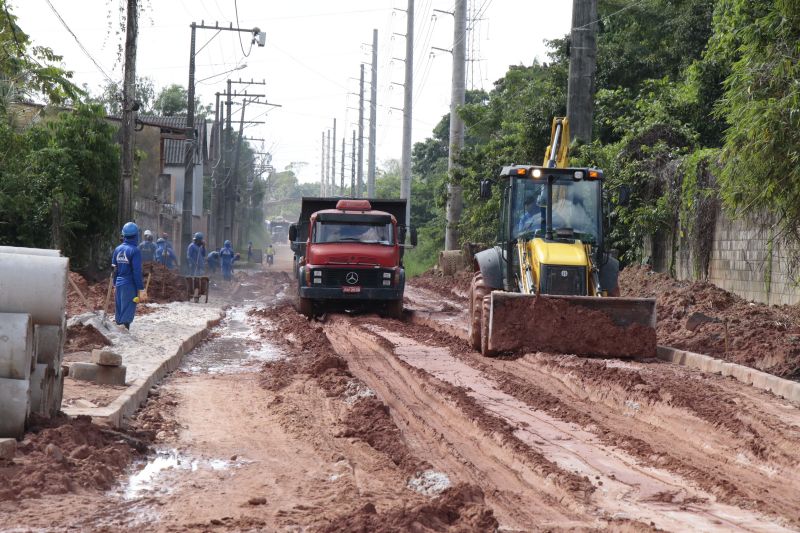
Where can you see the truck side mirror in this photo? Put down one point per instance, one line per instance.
(486, 189)
(624, 195)
(413, 236)
(293, 232)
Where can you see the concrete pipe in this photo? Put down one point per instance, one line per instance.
(34, 284)
(39, 390)
(29, 251)
(48, 344)
(14, 406)
(16, 346)
(58, 392)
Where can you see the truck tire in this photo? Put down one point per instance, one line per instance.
(394, 309)
(485, 305)
(477, 291)
(305, 306)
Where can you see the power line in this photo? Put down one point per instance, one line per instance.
(236, 8)
(85, 51)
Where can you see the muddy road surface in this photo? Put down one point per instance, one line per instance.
(358, 423)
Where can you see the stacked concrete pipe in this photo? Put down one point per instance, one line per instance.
(33, 293)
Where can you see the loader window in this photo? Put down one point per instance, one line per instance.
(575, 205)
(335, 231)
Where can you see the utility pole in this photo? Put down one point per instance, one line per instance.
(373, 111)
(333, 160)
(361, 133)
(322, 167)
(215, 178)
(259, 38)
(233, 181)
(353, 167)
(455, 199)
(341, 177)
(408, 92)
(129, 107)
(582, 62)
(328, 191)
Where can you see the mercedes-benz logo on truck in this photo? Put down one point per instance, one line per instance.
(351, 278)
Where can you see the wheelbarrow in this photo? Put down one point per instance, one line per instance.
(196, 286)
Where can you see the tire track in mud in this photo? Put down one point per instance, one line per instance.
(577, 434)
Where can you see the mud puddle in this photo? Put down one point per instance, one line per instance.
(234, 346)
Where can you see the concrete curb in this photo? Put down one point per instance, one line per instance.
(134, 396)
(784, 388)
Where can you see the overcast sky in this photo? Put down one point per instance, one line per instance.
(311, 59)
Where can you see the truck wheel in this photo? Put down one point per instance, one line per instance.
(485, 304)
(394, 309)
(306, 307)
(478, 290)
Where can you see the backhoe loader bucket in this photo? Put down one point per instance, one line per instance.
(581, 325)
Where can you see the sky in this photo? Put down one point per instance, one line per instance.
(310, 62)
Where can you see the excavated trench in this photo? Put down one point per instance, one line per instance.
(587, 441)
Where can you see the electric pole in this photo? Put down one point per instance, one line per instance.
(212, 220)
(373, 111)
(333, 160)
(361, 132)
(322, 167)
(408, 92)
(129, 107)
(455, 200)
(328, 165)
(353, 167)
(582, 61)
(233, 182)
(341, 177)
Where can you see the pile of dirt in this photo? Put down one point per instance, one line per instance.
(165, 285)
(448, 286)
(459, 508)
(67, 456)
(93, 292)
(84, 338)
(701, 317)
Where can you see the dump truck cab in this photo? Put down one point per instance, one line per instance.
(352, 258)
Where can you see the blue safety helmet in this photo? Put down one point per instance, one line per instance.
(227, 244)
(130, 229)
(160, 240)
(198, 236)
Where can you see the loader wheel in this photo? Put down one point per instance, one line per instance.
(478, 290)
(305, 307)
(485, 311)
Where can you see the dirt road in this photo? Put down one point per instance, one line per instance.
(356, 423)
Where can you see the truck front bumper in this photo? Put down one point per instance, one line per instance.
(366, 293)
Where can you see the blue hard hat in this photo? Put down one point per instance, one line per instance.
(160, 240)
(198, 236)
(227, 243)
(130, 229)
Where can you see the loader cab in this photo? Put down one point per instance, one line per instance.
(576, 215)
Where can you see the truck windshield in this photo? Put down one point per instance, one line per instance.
(330, 231)
(575, 206)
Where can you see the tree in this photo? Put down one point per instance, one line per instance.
(171, 101)
(111, 96)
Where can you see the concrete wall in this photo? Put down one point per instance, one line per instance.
(741, 261)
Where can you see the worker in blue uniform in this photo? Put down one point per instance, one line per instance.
(196, 256)
(127, 263)
(164, 254)
(227, 257)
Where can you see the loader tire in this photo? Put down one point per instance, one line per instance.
(485, 311)
(478, 290)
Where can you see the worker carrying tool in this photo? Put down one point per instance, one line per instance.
(196, 255)
(148, 247)
(227, 257)
(127, 263)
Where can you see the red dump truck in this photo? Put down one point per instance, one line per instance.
(348, 253)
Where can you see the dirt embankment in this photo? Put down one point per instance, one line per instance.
(67, 456)
(448, 286)
(701, 317)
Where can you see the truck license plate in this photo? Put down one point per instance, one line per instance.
(351, 289)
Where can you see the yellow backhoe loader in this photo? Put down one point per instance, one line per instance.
(549, 284)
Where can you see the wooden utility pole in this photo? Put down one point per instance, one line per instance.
(455, 198)
(129, 107)
(373, 111)
(408, 93)
(582, 65)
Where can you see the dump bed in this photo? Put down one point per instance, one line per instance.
(312, 204)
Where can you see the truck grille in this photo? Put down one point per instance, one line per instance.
(367, 277)
(563, 280)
